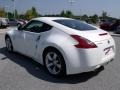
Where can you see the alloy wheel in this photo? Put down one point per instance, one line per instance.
(53, 63)
(9, 44)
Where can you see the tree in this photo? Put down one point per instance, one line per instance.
(32, 13)
(104, 14)
(16, 14)
(94, 18)
(69, 14)
(84, 17)
(2, 12)
(62, 14)
(10, 15)
(22, 16)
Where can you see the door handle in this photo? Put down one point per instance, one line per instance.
(38, 38)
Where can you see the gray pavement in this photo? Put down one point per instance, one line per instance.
(18, 72)
(114, 34)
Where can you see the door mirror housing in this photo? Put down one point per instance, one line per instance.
(20, 27)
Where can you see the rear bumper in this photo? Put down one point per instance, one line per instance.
(82, 60)
(103, 63)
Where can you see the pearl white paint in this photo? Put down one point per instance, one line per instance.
(77, 60)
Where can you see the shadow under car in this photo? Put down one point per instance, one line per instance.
(39, 71)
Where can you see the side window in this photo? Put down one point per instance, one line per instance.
(46, 27)
(37, 27)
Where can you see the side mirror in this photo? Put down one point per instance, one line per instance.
(20, 27)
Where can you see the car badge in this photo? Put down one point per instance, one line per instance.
(108, 42)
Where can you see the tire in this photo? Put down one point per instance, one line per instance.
(9, 45)
(54, 62)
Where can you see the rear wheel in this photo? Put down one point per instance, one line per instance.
(9, 45)
(54, 62)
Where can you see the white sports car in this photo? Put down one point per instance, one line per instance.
(62, 45)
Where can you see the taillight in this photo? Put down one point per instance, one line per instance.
(83, 42)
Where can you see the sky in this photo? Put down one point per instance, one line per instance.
(79, 7)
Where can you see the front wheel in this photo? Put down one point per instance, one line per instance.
(54, 63)
(9, 44)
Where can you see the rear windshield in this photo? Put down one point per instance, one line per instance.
(75, 24)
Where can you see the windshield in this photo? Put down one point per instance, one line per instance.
(75, 24)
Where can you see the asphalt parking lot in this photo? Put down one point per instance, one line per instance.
(18, 72)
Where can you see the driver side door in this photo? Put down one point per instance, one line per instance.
(33, 34)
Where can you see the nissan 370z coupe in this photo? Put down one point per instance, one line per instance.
(62, 45)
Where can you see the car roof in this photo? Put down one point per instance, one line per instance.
(49, 18)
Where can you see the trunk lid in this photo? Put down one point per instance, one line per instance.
(94, 35)
(102, 39)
